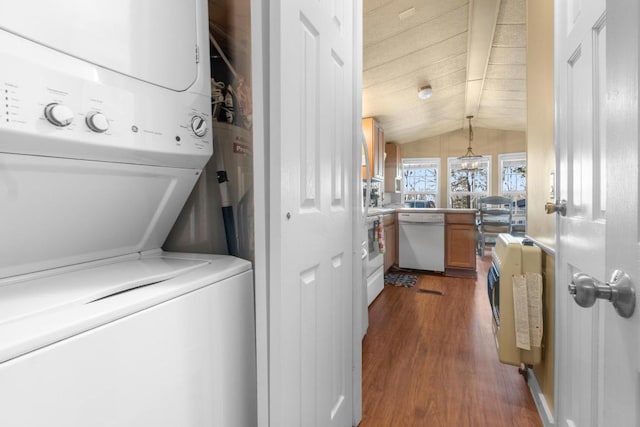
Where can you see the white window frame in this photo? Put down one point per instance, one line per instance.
(502, 158)
(519, 214)
(454, 161)
(432, 162)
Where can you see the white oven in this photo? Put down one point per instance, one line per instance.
(375, 260)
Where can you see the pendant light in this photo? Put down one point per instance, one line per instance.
(470, 161)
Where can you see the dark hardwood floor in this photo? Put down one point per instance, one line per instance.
(430, 360)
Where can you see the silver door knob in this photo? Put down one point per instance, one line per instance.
(560, 206)
(619, 291)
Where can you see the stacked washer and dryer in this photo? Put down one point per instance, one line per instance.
(104, 130)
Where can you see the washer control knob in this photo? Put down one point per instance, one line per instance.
(97, 122)
(199, 126)
(58, 114)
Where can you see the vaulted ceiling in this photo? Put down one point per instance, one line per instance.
(471, 52)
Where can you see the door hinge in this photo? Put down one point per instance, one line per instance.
(197, 54)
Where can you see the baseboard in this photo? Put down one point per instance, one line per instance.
(541, 403)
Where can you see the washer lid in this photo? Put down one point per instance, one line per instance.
(160, 49)
(47, 308)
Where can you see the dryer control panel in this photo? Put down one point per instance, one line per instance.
(57, 105)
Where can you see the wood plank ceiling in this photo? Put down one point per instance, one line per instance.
(472, 53)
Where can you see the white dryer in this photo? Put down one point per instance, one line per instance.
(104, 130)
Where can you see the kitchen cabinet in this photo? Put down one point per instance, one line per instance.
(374, 136)
(460, 244)
(391, 240)
(392, 168)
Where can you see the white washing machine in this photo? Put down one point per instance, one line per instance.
(104, 130)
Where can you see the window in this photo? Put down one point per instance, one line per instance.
(420, 182)
(513, 175)
(513, 184)
(465, 185)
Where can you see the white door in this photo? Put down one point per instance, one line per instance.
(597, 366)
(311, 191)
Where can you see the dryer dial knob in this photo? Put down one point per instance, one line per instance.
(58, 114)
(97, 122)
(199, 126)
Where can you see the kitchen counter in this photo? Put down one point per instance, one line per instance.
(384, 210)
(460, 236)
(438, 210)
(380, 211)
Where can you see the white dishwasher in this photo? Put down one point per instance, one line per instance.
(421, 240)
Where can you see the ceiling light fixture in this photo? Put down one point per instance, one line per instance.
(425, 92)
(470, 161)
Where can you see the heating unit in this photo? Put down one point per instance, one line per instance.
(510, 257)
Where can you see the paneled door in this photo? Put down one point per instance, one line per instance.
(311, 128)
(596, 84)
